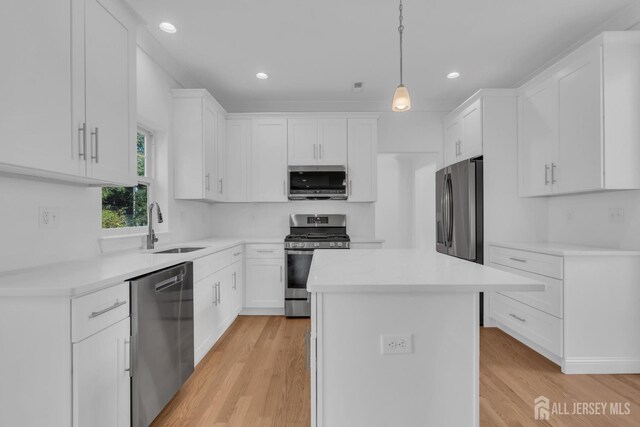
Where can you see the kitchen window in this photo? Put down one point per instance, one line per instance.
(127, 207)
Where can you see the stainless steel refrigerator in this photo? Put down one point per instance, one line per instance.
(459, 212)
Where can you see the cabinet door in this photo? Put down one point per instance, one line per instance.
(579, 166)
(221, 159)
(204, 297)
(101, 382)
(210, 127)
(303, 141)
(332, 142)
(452, 137)
(269, 160)
(362, 160)
(110, 97)
(471, 142)
(35, 102)
(238, 159)
(237, 286)
(264, 283)
(538, 134)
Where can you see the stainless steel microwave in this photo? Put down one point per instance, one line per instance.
(317, 183)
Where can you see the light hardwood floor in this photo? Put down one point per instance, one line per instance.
(255, 376)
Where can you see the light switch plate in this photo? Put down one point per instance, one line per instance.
(48, 217)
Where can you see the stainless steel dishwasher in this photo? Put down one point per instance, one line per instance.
(162, 343)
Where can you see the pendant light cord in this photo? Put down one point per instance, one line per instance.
(400, 30)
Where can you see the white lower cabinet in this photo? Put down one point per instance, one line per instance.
(217, 291)
(586, 319)
(101, 381)
(264, 286)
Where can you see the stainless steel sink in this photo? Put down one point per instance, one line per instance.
(178, 250)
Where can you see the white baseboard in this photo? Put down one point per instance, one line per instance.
(601, 365)
(262, 312)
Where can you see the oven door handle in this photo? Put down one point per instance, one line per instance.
(310, 252)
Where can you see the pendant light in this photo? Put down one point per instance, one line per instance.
(401, 100)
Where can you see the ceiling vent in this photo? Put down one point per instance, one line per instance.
(357, 87)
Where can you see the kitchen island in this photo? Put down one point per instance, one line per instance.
(419, 308)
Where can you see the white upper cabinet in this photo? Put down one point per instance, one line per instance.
(269, 160)
(578, 127)
(317, 142)
(238, 155)
(363, 160)
(197, 151)
(332, 142)
(76, 59)
(537, 111)
(303, 141)
(463, 133)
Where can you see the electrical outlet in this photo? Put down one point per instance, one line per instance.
(396, 344)
(48, 217)
(616, 215)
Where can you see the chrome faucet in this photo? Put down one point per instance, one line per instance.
(151, 237)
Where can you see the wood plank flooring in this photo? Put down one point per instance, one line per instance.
(255, 376)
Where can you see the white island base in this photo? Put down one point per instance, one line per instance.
(360, 296)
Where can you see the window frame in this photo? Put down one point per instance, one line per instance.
(148, 179)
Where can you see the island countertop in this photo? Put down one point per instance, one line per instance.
(407, 270)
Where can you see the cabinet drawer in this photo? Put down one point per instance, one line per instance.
(94, 312)
(533, 262)
(206, 266)
(549, 300)
(275, 250)
(236, 253)
(535, 325)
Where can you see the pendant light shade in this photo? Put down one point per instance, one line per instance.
(401, 100)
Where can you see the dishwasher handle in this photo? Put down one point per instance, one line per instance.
(170, 282)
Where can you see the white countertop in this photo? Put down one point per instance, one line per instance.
(407, 270)
(565, 249)
(87, 275)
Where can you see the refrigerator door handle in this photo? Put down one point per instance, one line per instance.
(448, 211)
(443, 204)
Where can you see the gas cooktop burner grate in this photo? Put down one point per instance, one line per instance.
(317, 236)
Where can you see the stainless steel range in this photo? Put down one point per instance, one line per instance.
(307, 233)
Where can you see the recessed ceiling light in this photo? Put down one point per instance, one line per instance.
(453, 75)
(168, 27)
(262, 76)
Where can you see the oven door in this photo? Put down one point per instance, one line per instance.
(297, 265)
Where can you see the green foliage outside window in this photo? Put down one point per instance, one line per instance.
(127, 206)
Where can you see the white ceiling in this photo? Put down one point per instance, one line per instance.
(315, 50)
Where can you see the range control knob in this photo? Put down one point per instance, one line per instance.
(339, 244)
(316, 244)
(332, 244)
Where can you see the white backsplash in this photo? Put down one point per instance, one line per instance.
(272, 219)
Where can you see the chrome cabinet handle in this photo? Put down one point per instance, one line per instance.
(127, 355)
(97, 135)
(315, 155)
(207, 181)
(553, 173)
(546, 174)
(113, 307)
(235, 280)
(239, 253)
(307, 340)
(518, 259)
(517, 318)
(268, 251)
(350, 187)
(220, 185)
(214, 294)
(82, 142)
(281, 274)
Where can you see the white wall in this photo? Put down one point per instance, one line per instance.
(272, 219)
(25, 244)
(405, 210)
(410, 132)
